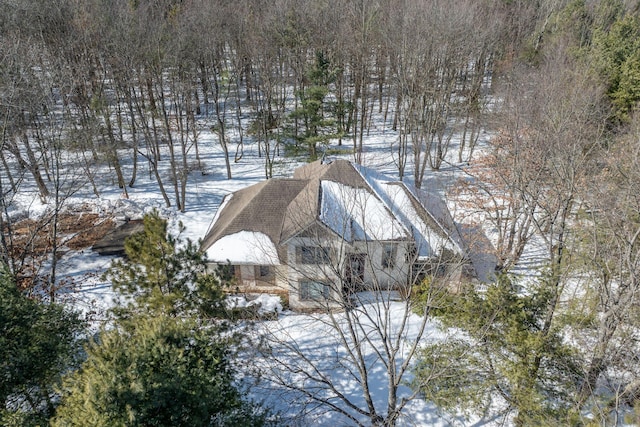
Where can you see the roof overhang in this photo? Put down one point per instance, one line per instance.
(244, 247)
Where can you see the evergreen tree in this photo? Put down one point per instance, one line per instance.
(161, 274)
(315, 110)
(164, 362)
(617, 55)
(155, 371)
(38, 342)
(506, 353)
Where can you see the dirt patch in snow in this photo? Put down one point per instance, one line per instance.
(93, 228)
(75, 230)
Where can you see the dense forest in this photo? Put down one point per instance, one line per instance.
(91, 85)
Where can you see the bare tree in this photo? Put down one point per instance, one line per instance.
(23, 101)
(439, 70)
(529, 180)
(363, 292)
(611, 251)
(532, 180)
(268, 101)
(31, 244)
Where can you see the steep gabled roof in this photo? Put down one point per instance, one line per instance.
(354, 202)
(258, 208)
(358, 214)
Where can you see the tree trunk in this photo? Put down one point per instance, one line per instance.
(32, 166)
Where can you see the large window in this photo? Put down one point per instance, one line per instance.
(312, 255)
(313, 290)
(389, 252)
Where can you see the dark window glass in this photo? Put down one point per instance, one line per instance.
(313, 290)
(312, 255)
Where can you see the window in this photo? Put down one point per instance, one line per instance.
(313, 291)
(312, 255)
(264, 271)
(264, 274)
(389, 251)
(411, 254)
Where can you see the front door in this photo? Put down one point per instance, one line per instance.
(354, 273)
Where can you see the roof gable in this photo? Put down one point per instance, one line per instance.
(357, 214)
(257, 208)
(420, 212)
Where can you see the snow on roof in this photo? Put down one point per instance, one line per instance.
(244, 247)
(216, 217)
(414, 213)
(357, 214)
(355, 202)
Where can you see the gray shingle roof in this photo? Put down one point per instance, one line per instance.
(283, 208)
(280, 208)
(259, 207)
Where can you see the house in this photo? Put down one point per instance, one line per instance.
(333, 229)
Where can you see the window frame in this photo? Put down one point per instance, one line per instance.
(264, 271)
(307, 293)
(312, 255)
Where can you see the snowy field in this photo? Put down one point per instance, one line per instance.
(318, 338)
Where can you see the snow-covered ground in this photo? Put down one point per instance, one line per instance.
(311, 352)
(309, 334)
